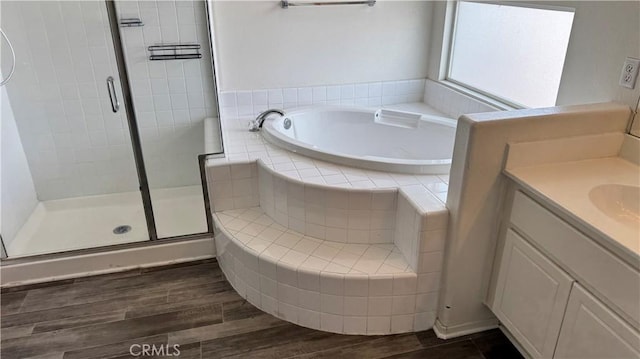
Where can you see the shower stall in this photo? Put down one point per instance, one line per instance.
(102, 123)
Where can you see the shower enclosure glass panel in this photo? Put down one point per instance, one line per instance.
(69, 180)
(173, 93)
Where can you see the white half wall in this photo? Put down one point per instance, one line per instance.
(18, 194)
(604, 33)
(476, 190)
(261, 45)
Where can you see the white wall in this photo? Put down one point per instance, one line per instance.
(603, 34)
(17, 192)
(263, 46)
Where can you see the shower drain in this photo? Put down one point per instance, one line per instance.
(122, 229)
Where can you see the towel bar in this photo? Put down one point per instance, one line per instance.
(285, 3)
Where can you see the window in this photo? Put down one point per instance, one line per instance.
(513, 53)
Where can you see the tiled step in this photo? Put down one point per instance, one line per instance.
(338, 287)
(257, 231)
(326, 212)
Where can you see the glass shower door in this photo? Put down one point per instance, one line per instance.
(168, 57)
(69, 176)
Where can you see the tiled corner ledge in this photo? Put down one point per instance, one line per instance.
(324, 204)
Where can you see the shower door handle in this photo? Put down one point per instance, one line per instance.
(115, 104)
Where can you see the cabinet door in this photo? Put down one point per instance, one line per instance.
(531, 296)
(591, 330)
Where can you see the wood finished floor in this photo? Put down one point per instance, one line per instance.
(194, 306)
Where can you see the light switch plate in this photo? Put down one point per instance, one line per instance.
(629, 72)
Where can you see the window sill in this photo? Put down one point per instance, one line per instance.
(478, 96)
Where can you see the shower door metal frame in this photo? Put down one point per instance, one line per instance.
(3, 250)
(135, 135)
(132, 122)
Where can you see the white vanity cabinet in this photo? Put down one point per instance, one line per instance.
(531, 296)
(591, 330)
(542, 268)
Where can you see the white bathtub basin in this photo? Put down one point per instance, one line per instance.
(384, 140)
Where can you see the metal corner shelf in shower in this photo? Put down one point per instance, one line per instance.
(174, 52)
(131, 22)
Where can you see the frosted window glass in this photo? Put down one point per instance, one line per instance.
(512, 52)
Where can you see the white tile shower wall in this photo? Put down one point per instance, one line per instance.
(173, 97)
(373, 94)
(75, 144)
(17, 192)
(451, 102)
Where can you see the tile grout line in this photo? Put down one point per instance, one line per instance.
(291, 248)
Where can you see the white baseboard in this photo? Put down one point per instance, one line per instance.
(82, 265)
(444, 332)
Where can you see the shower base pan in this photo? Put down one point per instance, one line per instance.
(95, 221)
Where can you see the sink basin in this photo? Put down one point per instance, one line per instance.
(619, 202)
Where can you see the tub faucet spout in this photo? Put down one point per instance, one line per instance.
(256, 124)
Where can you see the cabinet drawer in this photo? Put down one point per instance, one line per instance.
(589, 262)
(591, 330)
(531, 296)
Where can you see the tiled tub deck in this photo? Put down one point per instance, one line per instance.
(326, 246)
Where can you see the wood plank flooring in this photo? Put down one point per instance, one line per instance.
(193, 306)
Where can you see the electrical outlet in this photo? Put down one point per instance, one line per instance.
(629, 72)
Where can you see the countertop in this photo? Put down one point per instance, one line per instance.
(566, 187)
